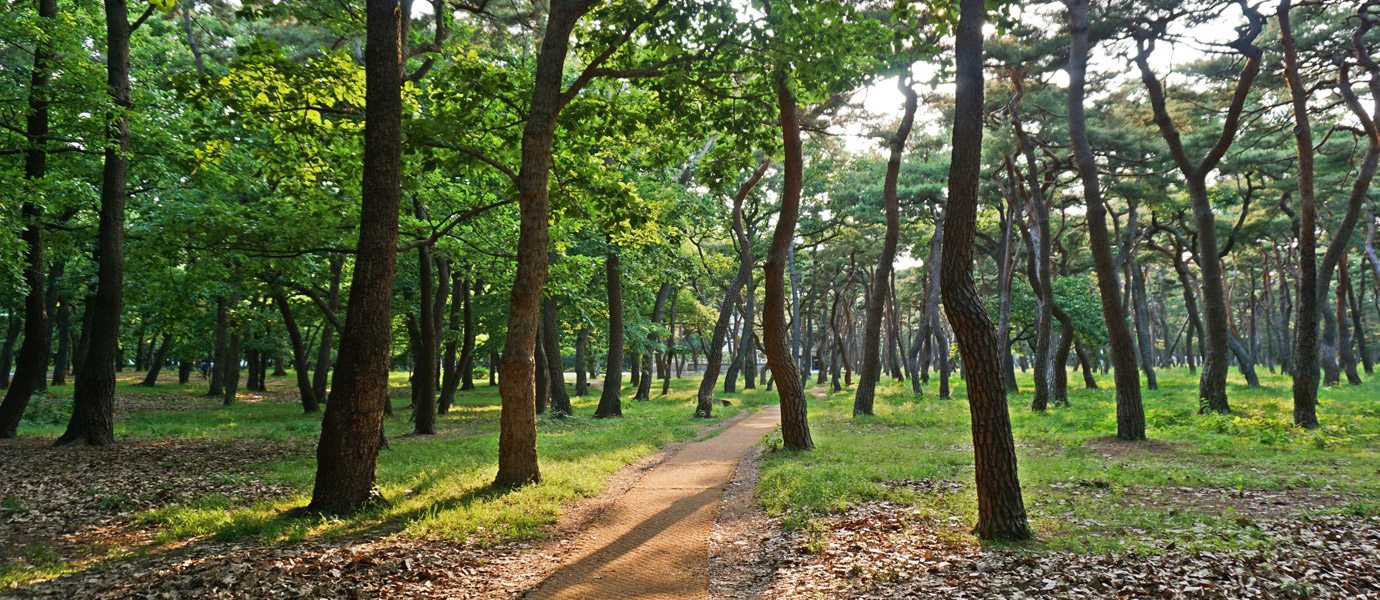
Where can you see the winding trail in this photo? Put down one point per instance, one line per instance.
(653, 542)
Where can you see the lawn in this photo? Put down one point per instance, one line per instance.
(434, 486)
(1197, 484)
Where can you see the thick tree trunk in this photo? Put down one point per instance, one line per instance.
(795, 428)
(704, 406)
(93, 397)
(231, 375)
(352, 428)
(517, 444)
(310, 403)
(610, 401)
(877, 300)
(1129, 409)
(1001, 509)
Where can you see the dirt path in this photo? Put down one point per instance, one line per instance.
(653, 542)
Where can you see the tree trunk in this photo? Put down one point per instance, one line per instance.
(610, 402)
(222, 339)
(467, 343)
(517, 464)
(310, 403)
(795, 428)
(231, 381)
(644, 387)
(1130, 413)
(13, 325)
(424, 373)
(551, 339)
(542, 384)
(159, 357)
(93, 397)
(669, 355)
(1001, 509)
(877, 300)
(581, 346)
(1084, 361)
(320, 378)
(352, 428)
(1344, 342)
(450, 381)
(713, 354)
(1144, 322)
(32, 365)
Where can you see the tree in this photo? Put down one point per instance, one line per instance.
(352, 429)
(1130, 414)
(1001, 509)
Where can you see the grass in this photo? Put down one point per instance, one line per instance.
(433, 486)
(1078, 498)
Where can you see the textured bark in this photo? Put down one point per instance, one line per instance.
(1001, 509)
(877, 300)
(1314, 279)
(1130, 412)
(93, 396)
(310, 402)
(795, 427)
(610, 401)
(704, 406)
(13, 325)
(1212, 385)
(352, 429)
(517, 444)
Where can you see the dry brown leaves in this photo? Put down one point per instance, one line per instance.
(883, 550)
(390, 567)
(76, 498)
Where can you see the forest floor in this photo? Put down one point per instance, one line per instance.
(189, 503)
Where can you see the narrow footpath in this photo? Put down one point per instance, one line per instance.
(653, 542)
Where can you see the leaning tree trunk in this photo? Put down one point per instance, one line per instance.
(156, 365)
(1212, 385)
(1001, 509)
(93, 397)
(517, 440)
(1130, 413)
(352, 429)
(877, 300)
(310, 403)
(795, 427)
(610, 401)
(714, 353)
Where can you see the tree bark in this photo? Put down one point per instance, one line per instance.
(551, 340)
(581, 347)
(156, 365)
(424, 373)
(1129, 409)
(450, 381)
(352, 429)
(321, 376)
(795, 428)
(93, 396)
(610, 401)
(310, 403)
(871, 365)
(222, 339)
(704, 406)
(1001, 509)
(644, 387)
